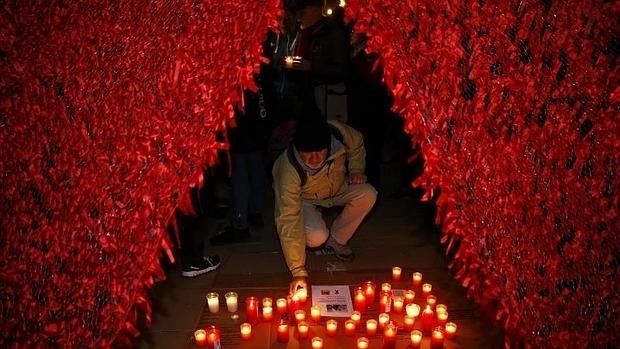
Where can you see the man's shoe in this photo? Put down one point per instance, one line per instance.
(208, 264)
(256, 221)
(230, 235)
(342, 252)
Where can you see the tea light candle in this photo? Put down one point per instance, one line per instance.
(302, 330)
(441, 308)
(200, 337)
(281, 306)
(417, 279)
(213, 301)
(349, 328)
(437, 338)
(267, 302)
(288, 62)
(426, 289)
(385, 300)
(386, 287)
(408, 322)
(409, 296)
(356, 316)
(396, 271)
(369, 290)
(302, 294)
(267, 313)
(416, 339)
(359, 300)
(317, 343)
(450, 330)
(383, 319)
(363, 343)
(251, 309)
(412, 310)
(282, 332)
(315, 313)
(442, 318)
(397, 304)
(231, 301)
(431, 300)
(300, 315)
(332, 327)
(246, 331)
(427, 318)
(213, 337)
(389, 335)
(371, 327)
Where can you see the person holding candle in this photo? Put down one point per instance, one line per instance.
(323, 167)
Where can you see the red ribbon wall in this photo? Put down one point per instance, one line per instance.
(108, 112)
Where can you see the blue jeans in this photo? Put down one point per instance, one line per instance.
(248, 186)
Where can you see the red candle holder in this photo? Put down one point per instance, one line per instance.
(302, 330)
(426, 289)
(213, 337)
(267, 314)
(246, 331)
(427, 318)
(281, 306)
(384, 318)
(356, 316)
(332, 327)
(450, 330)
(200, 337)
(416, 339)
(315, 313)
(431, 300)
(363, 343)
(396, 271)
(409, 297)
(386, 287)
(317, 343)
(385, 301)
(369, 290)
(371, 327)
(437, 338)
(282, 332)
(398, 303)
(442, 318)
(412, 310)
(251, 310)
(349, 328)
(359, 299)
(300, 315)
(389, 335)
(408, 322)
(416, 279)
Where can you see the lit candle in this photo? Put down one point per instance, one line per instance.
(282, 332)
(359, 300)
(396, 271)
(408, 322)
(409, 296)
(200, 336)
(383, 319)
(398, 303)
(389, 335)
(431, 300)
(427, 318)
(417, 279)
(442, 318)
(441, 308)
(386, 287)
(385, 301)
(437, 338)
(412, 310)
(246, 331)
(251, 309)
(363, 343)
(300, 315)
(302, 294)
(332, 327)
(213, 301)
(369, 290)
(356, 316)
(315, 313)
(293, 304)
(317, 343)
(231, 301)
(267, 302)
(288, 62)
(213, 337)
(450, 330)
(426, 289)
(302, 330)
(416, 339)
(349, 328)
(371, 327)
(267, 313)
(281, 306)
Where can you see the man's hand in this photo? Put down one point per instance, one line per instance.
(298, 282)
(357, 178)
(300, 64)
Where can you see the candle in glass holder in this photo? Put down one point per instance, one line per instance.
(431, 300)
(315, 313)
(408, 322)
(426, 289)
(450, 330)
(213, 301)
(281, 306)
(251, 309)
(231, 301)
(293, 304)
(359, 299)
(349, 328)
(409, 296)
(300, 315)
(396, 271)
(389, 335)
(363, 343)
(302, 294)
(441, 307)
(412, 310)
(282, 332)
(213, 337)
(442, 318)
(416, 279)
(386, 287)
(369, 290)
(332, 327)
(302, 330)
(288, 62)
(356, 316)
(416, 339)
(267, 302)
(246, 331)
(383, 319)
(437, 338)
(267, 313)
(371, 327)
(427, 318)
(397, 304)
(385, 301)
(200, 337)
(317, 343)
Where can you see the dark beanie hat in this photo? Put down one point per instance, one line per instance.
(312, 134)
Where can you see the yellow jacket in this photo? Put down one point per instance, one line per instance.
(319, 188)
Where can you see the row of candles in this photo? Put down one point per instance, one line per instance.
(433, 318)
